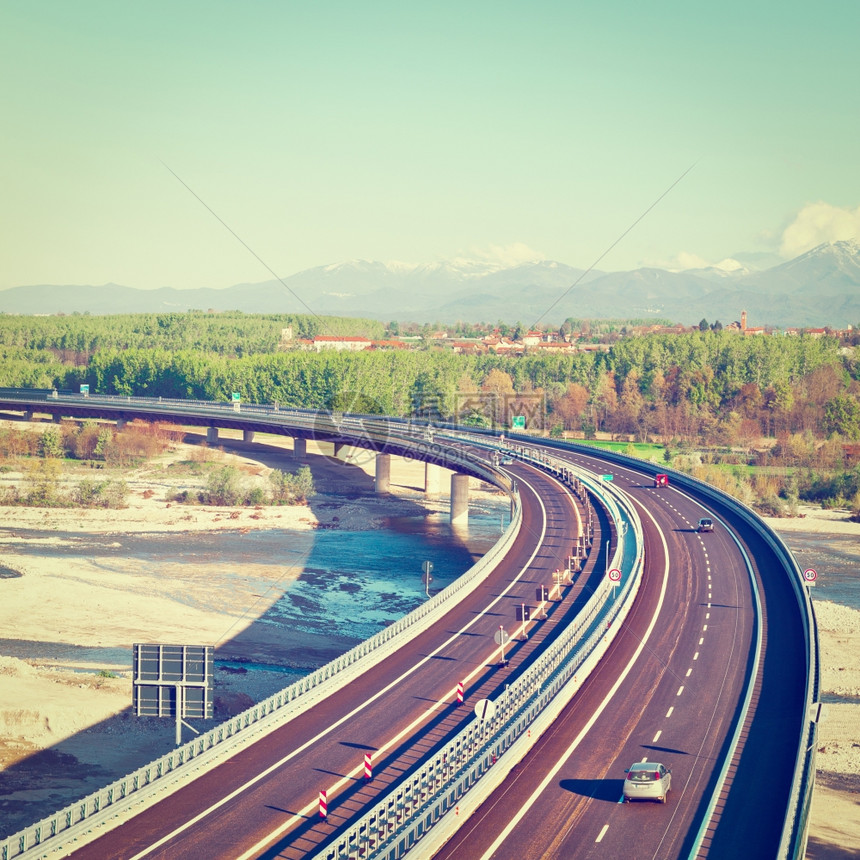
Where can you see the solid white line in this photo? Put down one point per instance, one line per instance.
(310, 808)
(602, 833)
(657, 736)
(535, 796)
(669, 712)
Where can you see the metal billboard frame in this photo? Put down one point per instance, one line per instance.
(173, 681)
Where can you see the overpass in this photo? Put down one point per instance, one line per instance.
(745, 747)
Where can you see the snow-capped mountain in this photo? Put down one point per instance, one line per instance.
(820, 287)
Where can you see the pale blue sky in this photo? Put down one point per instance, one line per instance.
(328, 131)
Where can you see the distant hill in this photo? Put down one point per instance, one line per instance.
(821, 287)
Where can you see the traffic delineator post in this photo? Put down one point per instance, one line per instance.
(323, 805)
(368, 767)
(459, 692)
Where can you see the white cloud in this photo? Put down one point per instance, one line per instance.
(816, 224)
(502, 256)
(685, 260)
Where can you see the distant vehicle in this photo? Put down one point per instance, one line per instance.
(507, 461)
(661, 480)
(706, 524)
(647, 780)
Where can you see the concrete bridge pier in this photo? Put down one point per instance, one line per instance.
(383, 473)
(247, 435)
(300, 449)
(432, 480)
(459, 499)
(211, 435)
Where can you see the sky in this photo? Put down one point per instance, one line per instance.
(205, 144)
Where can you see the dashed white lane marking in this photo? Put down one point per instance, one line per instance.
(707, 615)
(696, 655)
(669, 712)
(644, 759)
(657, 737)
(704, 627)
(709, 577)
(701, 640)
(602, 833)
(680, 690)
(689, 672)
(709, 606)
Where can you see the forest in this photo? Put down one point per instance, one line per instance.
(771, 418)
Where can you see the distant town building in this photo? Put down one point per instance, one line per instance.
(340, 343)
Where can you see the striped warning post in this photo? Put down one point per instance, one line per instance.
(323, 805)
(368, 768)
(459, 692)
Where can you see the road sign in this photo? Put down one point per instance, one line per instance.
(427, 567)
(173, 680)
(485, 709)
(614, 574)
(606, 477)
(518, 422)
(524, 612)
(85, 389)
(810, 576)
(542, 593)
(501, 636)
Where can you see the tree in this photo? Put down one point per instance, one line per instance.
(842, 416)
(51, 442)
(571, 406)
(703, 325)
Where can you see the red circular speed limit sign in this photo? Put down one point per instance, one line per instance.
(615, 574)
(810, 575)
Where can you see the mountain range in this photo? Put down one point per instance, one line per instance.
(818, 288)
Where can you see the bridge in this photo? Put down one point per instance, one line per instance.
(703, 654)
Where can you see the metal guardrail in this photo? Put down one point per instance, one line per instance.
(793, 842)
(406, 814)
(182, 764)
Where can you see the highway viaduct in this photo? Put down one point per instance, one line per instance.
(749, 736)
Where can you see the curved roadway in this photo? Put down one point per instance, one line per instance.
(682, 659)
(263, 801)
(677, 675)
(679, 704)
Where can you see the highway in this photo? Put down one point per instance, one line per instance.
(682, 660)
(678, 705)
(404, 707)
(681, 684)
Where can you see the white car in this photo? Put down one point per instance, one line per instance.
(647, 780)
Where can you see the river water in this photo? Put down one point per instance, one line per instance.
(321, 591)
